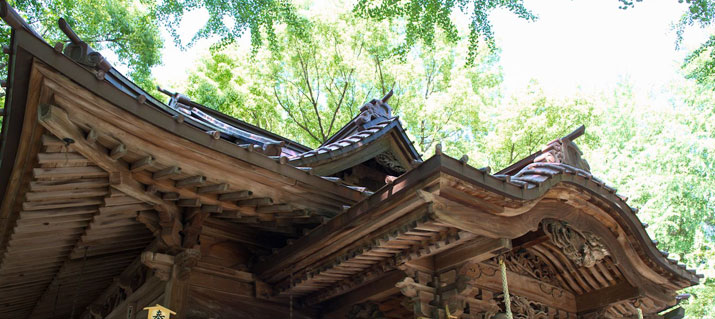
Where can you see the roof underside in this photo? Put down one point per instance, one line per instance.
(91, 167)
(62, 141)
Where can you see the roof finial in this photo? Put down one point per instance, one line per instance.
(374, 110)
(82, 53)
(387, 96)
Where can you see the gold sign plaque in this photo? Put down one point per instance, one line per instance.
(159, 312)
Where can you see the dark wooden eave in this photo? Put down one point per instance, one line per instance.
(385, 135)
(162, 117)
(60, 85)
(439, 185)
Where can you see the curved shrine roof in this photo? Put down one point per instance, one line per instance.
(443, 199)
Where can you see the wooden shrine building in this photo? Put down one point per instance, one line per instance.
(113, 201)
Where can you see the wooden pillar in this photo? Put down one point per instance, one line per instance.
(419, 287)
(176, 271)
(176, 292)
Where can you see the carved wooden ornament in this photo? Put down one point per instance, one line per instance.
(583, 248)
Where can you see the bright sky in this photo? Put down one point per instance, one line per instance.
(576, 44)
(592, 44)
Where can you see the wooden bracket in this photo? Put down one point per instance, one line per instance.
(57, 121)
(161, 264)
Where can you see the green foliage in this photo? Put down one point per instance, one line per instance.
(317, 84)
(663, 158)
(425, 18)
(306, 76)
(532, 120)
(314, 80)
(700, 64)
(232, 86)
(310, 86)
(126, 28)
(230, 19)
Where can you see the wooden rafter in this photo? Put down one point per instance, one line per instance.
(56, 120)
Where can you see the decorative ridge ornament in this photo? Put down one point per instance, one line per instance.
(564, 151)
(375, 109)
(82, 53)
(583, 248)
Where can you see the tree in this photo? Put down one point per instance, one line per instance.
(662, 156)
(699, 64)
(310, 85)
(230, 19)
(425, 18)
(316, 82)
(127, 28)
(529, 120)
(315, 85)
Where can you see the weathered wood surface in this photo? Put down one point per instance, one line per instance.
(107, 119)
(607, 296)
(81, 193)
(361, 220)
(377, 290)
(475, 221)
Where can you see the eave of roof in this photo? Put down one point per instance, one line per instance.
(355, 143)
(235, 124)
(128, 98)
(506, 187)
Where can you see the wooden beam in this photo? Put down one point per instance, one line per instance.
(264, 201)
(239, 233)
(212, 189)
(149, 220)
(677, 313)
(142, 164)
(226, 272)
(191, 181)
(62, 158)
(56, 120)
(171, 196)
(167, 173)
(211, 208)
(475, 251)
(280, 208)
(489, 278)
(91, 136)
(376, 290)
(321, 242)
(60, 185)
(118, 152)
(66, 194)
(195, 221)
(240, 195)
(69, 172)
(189, 202)
(605, 297)
(173, 193)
